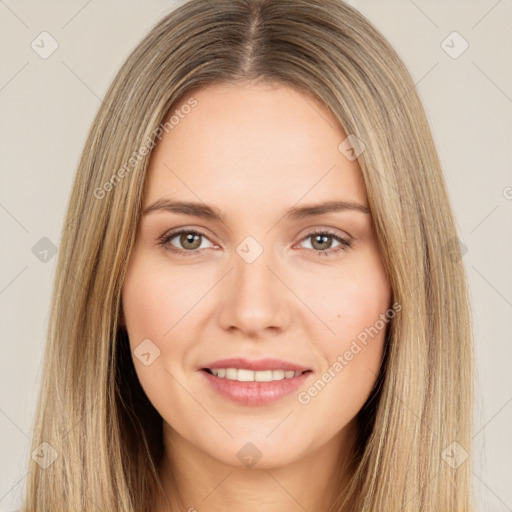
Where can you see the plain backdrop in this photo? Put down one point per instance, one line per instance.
(48, 103)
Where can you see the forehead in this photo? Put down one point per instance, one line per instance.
(252, 145)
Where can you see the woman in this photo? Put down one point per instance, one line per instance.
(259, 300)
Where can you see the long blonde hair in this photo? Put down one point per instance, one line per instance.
(103, 436)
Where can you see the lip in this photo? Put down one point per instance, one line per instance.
(255, 393)
(256, 365)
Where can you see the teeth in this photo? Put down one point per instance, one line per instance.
(243, 375)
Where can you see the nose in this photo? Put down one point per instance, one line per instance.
(254, 299)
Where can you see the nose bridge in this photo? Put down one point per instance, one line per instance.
(256, 299)
(254, 277)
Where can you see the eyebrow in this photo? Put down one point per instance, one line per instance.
(296, 213)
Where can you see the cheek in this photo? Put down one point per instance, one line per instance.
(155, 306)
(354, 305)
(156, 301)
(361, 299)
(349, 299)
(163, 304)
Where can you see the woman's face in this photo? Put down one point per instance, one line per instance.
(228, 264)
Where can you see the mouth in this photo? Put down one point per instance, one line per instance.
(245, 375)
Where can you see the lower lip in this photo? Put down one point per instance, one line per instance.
(255, 393)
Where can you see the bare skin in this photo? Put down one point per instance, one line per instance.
(254, 151)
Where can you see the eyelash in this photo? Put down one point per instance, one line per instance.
(165, 240)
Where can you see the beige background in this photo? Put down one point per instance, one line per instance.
(48, 104)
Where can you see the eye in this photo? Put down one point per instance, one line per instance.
(189, 241)
(322, 242)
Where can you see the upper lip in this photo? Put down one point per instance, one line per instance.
(256, 365)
